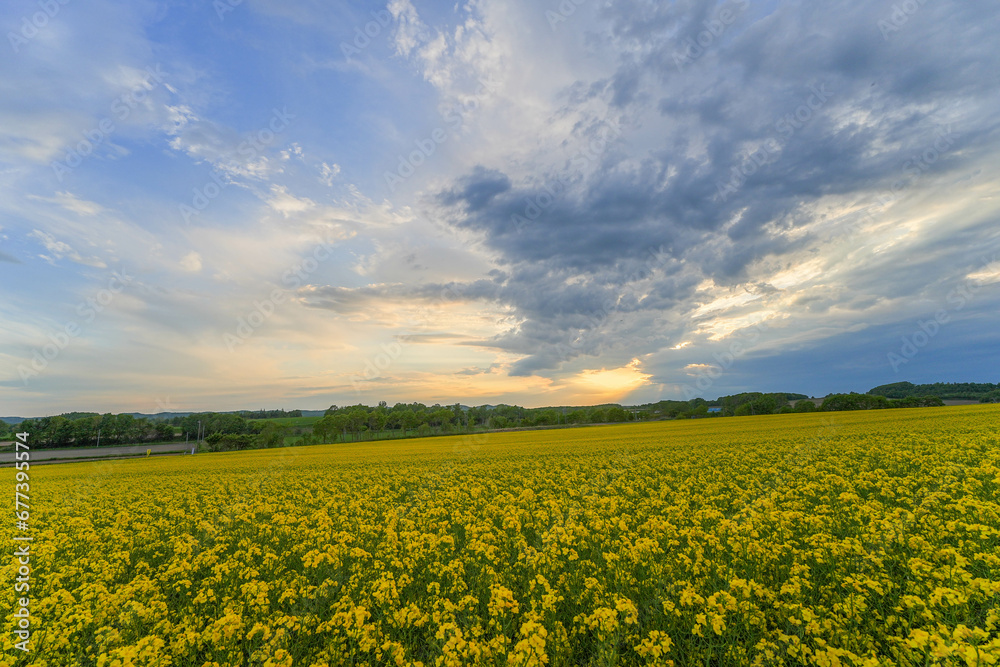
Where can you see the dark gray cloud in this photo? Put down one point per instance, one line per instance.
(349, 300)
(787, 105)
(478, 188)
(962, 350)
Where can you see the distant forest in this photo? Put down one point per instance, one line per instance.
(985, 392)
(251, 429)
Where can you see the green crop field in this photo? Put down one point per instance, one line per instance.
(291, 421)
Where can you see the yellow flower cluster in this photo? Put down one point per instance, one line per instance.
(848, 539)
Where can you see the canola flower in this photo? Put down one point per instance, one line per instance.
(853, 539)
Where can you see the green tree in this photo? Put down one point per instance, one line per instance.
(357, 421)
(272, 435)
(854, 401)
(616, 414)
(409, 420)
(60, 432)
(326, 429)
(164, 431)
(377, 420)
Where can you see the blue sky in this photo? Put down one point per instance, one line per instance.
(225, 206)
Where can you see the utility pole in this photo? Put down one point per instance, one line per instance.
(98, 437)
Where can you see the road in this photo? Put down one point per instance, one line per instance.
(7, 458)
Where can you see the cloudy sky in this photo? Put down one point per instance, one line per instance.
(295, 203)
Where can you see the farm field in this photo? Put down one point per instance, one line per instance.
(856, 538)
(291, 421)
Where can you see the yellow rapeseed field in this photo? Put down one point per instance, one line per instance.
(819, 539)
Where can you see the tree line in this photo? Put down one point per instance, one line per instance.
(361, 422)
(758, 403)
(984, 392)
(268, 414)
(222, 431)
(854, 401)
(90, 430)
(746, 403)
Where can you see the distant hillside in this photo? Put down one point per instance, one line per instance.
(966, 391)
